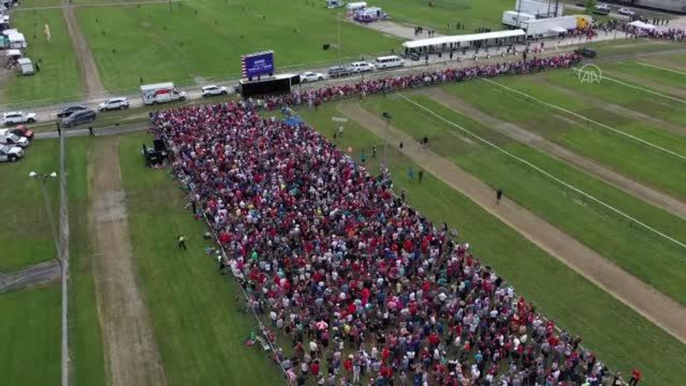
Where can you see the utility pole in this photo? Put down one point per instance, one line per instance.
(338, 23)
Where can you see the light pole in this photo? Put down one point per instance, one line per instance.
(48, 207)
(385, 145)
(338, 23)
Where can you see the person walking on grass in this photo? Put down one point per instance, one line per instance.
(420, 175)
(374, 151)
(90, 131)
(182, 241)
(498, 196)
(410, 174)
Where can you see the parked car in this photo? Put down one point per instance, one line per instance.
(10, 153)
(339, 71)
(362, 67)
(311, 77)
(17, 117)
(212, 90)
(601, 9)
(586, 52)
(9, 138)
(114, 104)
(389, 62)
(626, 11)
(79, 118)
(23, 131)
(69, 110)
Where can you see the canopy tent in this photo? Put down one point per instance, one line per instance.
(456, 39)
(642, 25)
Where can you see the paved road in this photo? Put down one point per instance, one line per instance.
(48, 113)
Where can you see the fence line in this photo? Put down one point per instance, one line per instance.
(64, 252)
(556, 179)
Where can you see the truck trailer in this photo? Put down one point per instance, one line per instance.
(515, 19)
(161, 93)
(549, 27)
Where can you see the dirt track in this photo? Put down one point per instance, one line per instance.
(89, 70)
(131, 353)
(526, 137)
(653, 305)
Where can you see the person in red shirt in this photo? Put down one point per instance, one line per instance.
(635, 377)
(314, 368)
(348, 364)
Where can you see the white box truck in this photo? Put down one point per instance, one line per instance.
(515, 19)
(549, 27)
(161, 93)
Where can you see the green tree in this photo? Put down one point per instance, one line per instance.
(590, 4)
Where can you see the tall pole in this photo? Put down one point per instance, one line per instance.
(338, 23)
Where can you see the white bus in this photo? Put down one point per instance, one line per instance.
(389, 62)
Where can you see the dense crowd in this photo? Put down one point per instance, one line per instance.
(315, 97)
(673, 34)
(364, 287)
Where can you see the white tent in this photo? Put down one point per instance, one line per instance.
(355, 6)
(642, 25)
(463, 38)
(559, 30)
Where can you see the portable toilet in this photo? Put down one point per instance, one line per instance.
(26, 66)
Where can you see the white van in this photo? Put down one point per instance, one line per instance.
(389, 62)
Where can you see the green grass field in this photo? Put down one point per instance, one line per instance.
(204, 39)
(25, 233)
(597, 227)
(619, 336)
(30, 336)
(471, 13)
(194, 309)
(59, 78)
(627, 156)
(87, 359)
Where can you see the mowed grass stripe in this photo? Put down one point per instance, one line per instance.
(620, 337)
(600, 229)
(87, 353)
(193, 309)
(659, 170)
(635, 98)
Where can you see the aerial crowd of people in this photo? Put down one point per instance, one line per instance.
(362, 286)
(316, 96)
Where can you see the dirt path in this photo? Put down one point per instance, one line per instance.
(615, 109)
(35, 275)
(130, 349)
(526, 137)
(653, 305)
(89, 71)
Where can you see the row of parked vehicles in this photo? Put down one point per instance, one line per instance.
(13, 142)
(353, 68)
